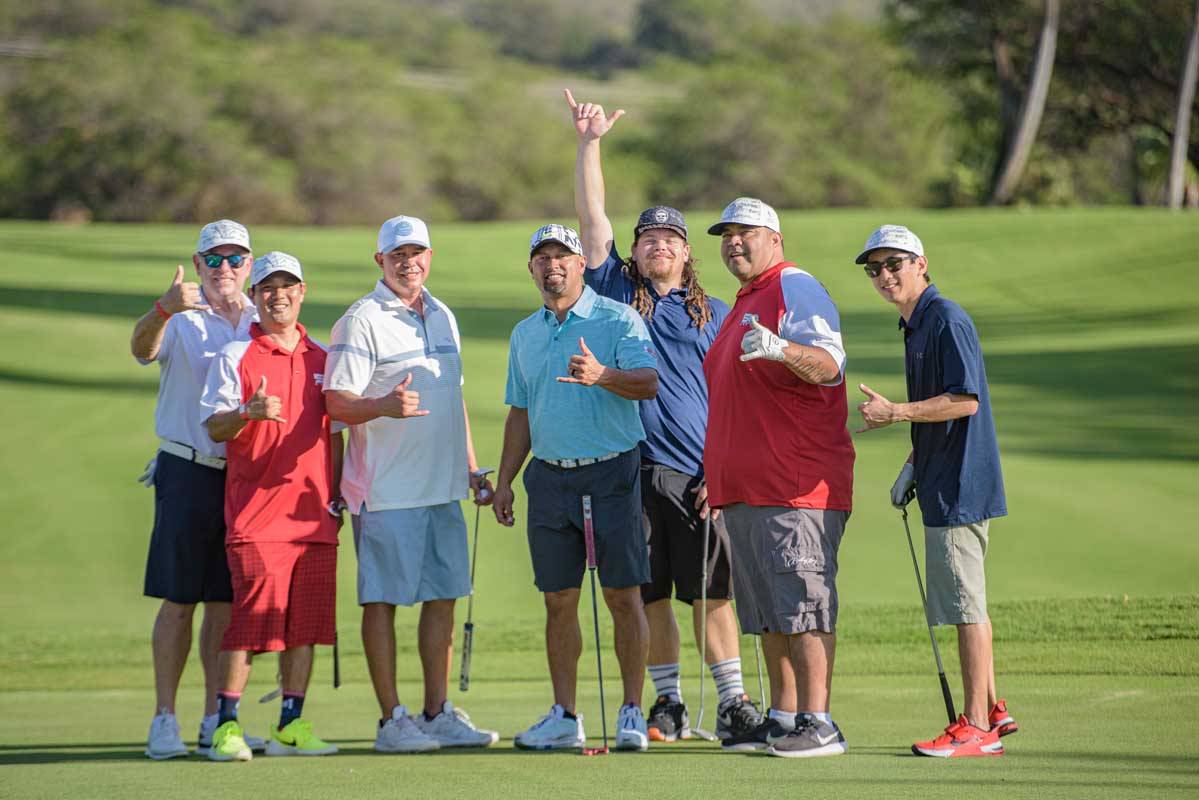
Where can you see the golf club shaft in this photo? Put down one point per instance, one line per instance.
(703, 622)
(468, 629)
(336, 663)
(758, 663)
(945, 692)
(589, 543)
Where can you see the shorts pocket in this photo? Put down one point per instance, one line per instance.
(802, 583)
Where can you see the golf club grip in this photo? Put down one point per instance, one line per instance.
(588, 532)
(336, 664)
(948, 695)
(468, 635)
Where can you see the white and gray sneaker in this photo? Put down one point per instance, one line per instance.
(401, 735)
(453, 728)
(554, 731)
(164, 741)
(631, 732)
(208, 726)
(811, 737)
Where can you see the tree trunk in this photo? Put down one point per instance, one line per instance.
(1016, 156)
(1182, 123)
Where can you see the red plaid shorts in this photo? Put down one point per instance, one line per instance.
(284, 595)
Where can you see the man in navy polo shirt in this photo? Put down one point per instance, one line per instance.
(660, 283)
(954, 467)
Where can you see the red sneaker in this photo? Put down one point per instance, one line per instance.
(961, 739)
(1002, 720)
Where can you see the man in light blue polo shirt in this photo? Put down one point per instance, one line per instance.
(576, 368)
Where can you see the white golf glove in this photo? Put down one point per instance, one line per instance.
(902, 489)
(759, 342)
(148, 476)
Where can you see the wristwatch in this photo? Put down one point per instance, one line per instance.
(336, 506)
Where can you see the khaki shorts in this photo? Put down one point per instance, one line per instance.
(785, 567)
(957, 584)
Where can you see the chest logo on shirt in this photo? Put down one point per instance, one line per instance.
(318, 379)
(748, 319)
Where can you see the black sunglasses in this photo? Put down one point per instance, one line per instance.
(214, 260)
(892, 265)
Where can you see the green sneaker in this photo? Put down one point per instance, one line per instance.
(297, 739)
(228, 744)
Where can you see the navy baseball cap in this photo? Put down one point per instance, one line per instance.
(661, 217)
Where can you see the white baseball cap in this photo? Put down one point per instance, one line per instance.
(223, 231)
(747, 211)
(555, 233)
(272, 262)
(892, 237)
(402, 230)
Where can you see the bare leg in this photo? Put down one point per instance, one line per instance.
(435, 640)
(563, 644)
(295, 664)
(234, 669)
(974, 650)
(813, 654)
(722, 634)
(776, 651)
(170, 644)
(212, 630)
(379, 644)
(663, 632)
(632, 639)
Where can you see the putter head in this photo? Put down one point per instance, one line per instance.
(593, 751)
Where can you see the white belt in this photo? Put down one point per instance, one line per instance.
(572, 463)
(190, 454)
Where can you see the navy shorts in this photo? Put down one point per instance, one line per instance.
(675, 535)
(555, 523)
(187, 562)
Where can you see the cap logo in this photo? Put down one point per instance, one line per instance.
(660, 215)
(404, 227)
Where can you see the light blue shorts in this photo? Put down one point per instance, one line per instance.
(410, 555)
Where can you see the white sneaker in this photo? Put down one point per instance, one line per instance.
(631, 733)
(554, 731)
(453, 728)
(208, 727)
(164, 741)
(401, 735)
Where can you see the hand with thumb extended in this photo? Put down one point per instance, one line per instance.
(877, 411)
(262, 406)
(583, 368)
(401, 402)
(760, 342)
(181, 296)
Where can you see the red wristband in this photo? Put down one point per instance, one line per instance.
(162, 312)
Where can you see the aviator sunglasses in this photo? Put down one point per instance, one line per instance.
(214, 260)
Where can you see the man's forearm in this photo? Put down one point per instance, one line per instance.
(224, 425)
(810, 364)
(147, 335)
(942, 408)
(350, 408)
(631, 384)
(517, 444)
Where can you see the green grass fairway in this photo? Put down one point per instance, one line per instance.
(1091, 337)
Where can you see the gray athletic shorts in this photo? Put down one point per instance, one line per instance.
(785, 567)
(410, 555)
(957, 584)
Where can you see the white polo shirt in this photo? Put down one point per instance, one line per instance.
(189, 343)
(412, 462)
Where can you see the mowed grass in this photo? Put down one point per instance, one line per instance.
(1092, 345)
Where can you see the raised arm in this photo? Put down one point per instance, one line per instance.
(148, 332)
(594, 226)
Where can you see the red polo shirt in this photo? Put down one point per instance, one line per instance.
(279, 478)
(774, 439)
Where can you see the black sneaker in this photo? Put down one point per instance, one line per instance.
(759, 738)
(668, 721)
(736, 717)
(811, 737)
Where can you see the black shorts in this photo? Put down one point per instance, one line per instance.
(675, 535)
(187, 561)
(555, 523)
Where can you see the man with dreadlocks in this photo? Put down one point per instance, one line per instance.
(660, 283)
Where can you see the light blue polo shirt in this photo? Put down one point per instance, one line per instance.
(569, 420)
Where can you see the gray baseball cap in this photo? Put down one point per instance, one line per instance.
(555, 233)
(747, 211)
(402, 230)
(223, 231)
(892, 237)
(272, 262)
(661, 217)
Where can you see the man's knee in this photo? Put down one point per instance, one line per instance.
(177, 612)
(562, 604)
(624, 602)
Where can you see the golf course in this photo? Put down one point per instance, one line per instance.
(1089, 326)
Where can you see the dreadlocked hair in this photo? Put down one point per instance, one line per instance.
(696, 300)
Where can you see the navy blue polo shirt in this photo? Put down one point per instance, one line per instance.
(676, 420)
(958, 480)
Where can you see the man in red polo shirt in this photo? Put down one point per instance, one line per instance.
(779, 463)
(264, 398)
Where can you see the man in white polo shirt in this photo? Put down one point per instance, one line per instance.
(186, 565)
(394, 375)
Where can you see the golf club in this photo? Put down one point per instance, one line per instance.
(953, 717)
(758, 661)
(336, 663)
(468, 630)
(589, 541)
(698, 729)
